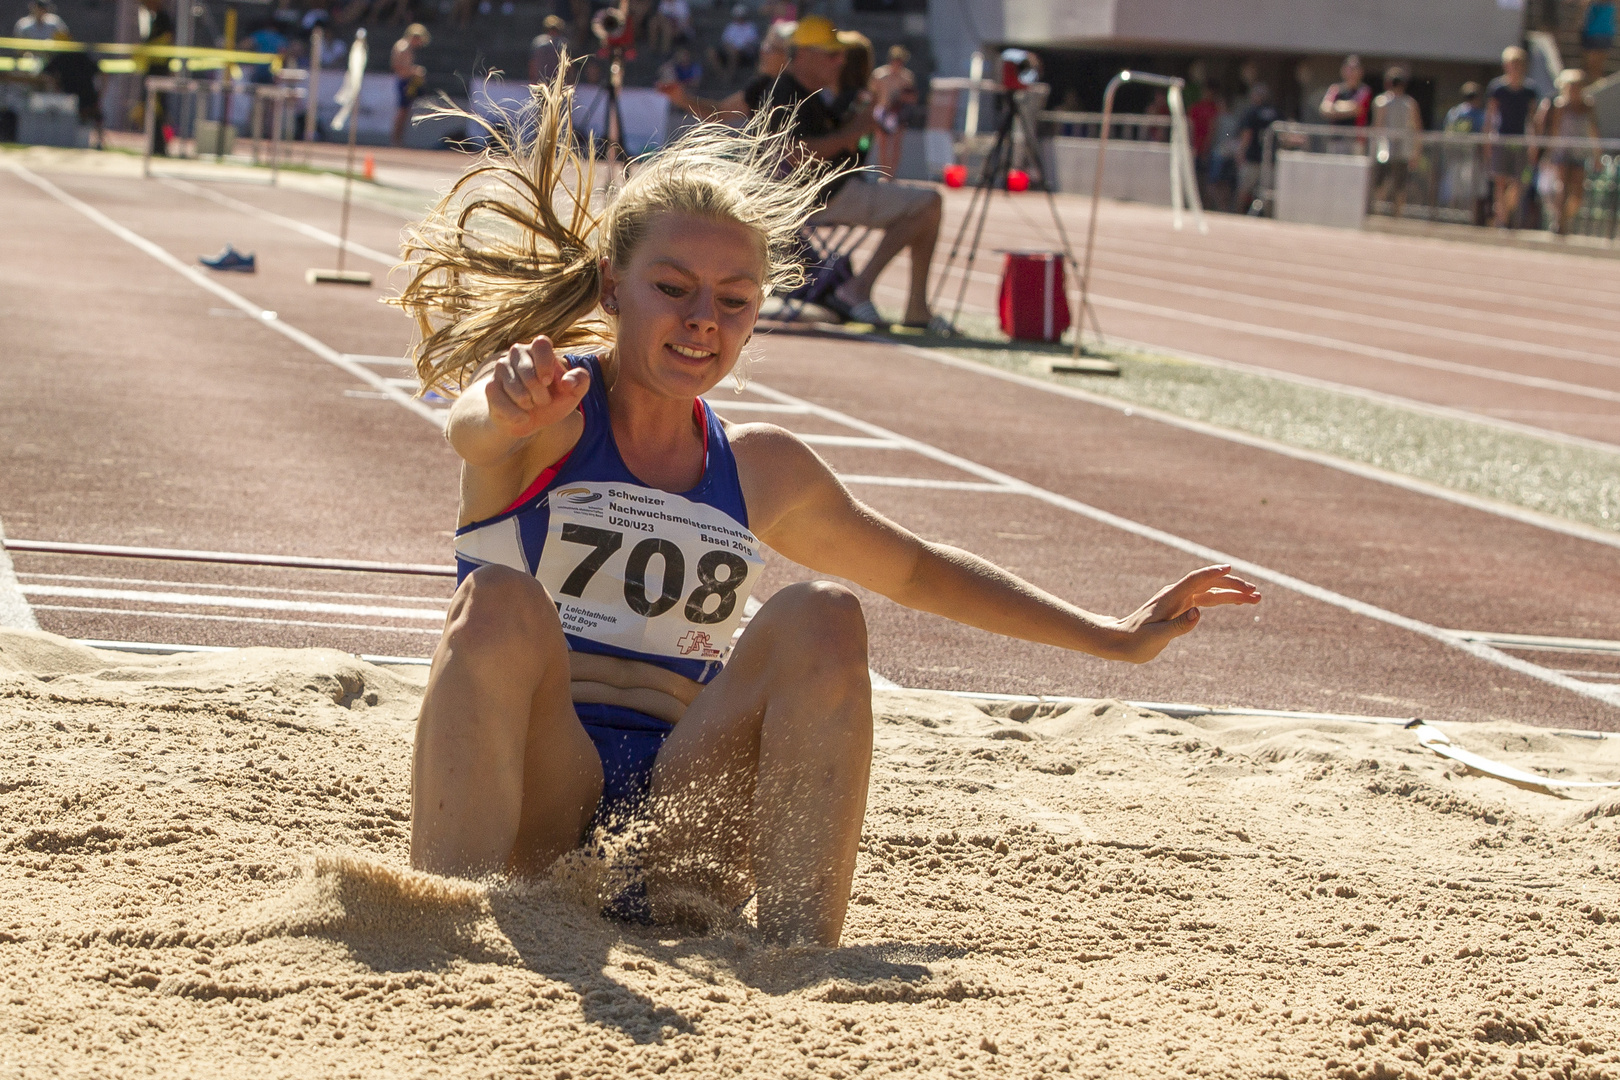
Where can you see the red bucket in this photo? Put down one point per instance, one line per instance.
(1034, 302)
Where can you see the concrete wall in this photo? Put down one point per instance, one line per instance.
(1322, 189)
(1475, 30)
(1134, 171)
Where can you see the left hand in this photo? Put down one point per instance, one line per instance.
(1173, 611)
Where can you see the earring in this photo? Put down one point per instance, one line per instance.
(610, 306)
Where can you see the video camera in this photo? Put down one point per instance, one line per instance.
(1020, 69)
(607, 24)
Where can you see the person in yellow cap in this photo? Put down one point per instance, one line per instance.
(409, 76)
(908, 215)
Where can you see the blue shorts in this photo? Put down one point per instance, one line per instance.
(627, 743)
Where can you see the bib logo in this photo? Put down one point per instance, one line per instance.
(578, 500)
(696, 641)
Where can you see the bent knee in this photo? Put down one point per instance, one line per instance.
(829, 612)
(497, 607)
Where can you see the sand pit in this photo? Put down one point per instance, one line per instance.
(202, 862)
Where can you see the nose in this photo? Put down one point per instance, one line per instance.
(703, 315)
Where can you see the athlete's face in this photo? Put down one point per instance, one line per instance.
(687, 298)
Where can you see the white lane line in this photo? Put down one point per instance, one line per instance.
(1403, 303)
(200, 278)
(163, 648)
(1373, 352)
(1540, 643)
(1354, 468)
(377, 361)
(1359, 318)
(15, 613)
(924, 482)
(846, 440)
(170, 583)
(309, 607)
(753, 406)
(898, 294)
(1488, 419)
(192, 616)
(234, 558)
(305, 230)
(1607, 695)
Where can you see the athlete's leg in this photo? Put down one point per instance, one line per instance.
(503, 776)
(763, 782)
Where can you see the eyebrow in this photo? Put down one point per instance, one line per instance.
(683, 269)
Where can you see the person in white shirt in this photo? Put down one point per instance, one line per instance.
(1395, 110)
(41, 23)
(739, 42)
(671, 25)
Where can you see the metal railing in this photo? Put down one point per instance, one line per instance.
(1458, 177)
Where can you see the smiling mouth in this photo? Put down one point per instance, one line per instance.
(690, 353)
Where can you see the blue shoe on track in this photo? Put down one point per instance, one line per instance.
(230, 259)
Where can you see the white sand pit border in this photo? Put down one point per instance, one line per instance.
(202, 873)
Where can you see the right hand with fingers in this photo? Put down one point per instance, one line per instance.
(531, 388)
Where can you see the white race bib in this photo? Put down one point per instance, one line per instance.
(644, 570)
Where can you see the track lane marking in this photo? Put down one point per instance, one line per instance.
(1314, 457)
(1314, 311)
(1511, 278)
(302, 228)
(254, 603)
(1607, 695)
(93, 579)
(1405, 303)
(1322, 341)
(191, 616)
(1002, 480)
(265, 318)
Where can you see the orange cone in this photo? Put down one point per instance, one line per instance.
(370, 167)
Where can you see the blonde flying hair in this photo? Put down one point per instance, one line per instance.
(513, 250)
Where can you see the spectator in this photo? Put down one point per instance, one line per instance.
(409, 76)
(76, 73)
(909, 216)
(894, 96)
(775, 49)
(1395, 110)
(548, 50)
(682, 70)
(779, 12)
(264, 39)
(1597, 36)
(1201, 124)
(671, 25)
(739, 42)
(1159, 106)
(1510, 103)
(1568, 116)
(157, 28)
(1462, 183)
(1226, 148)
(40, 24)
(1252, 127)
(855, 78)
(1348, 103)
(1467, 117)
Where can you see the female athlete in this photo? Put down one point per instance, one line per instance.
(612, 526)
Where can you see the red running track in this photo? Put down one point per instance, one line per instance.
(145, 415)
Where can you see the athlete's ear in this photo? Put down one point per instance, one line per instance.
(608, 293)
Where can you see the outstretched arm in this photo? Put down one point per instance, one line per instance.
(811, 518)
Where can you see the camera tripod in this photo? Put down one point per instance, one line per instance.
(993, 175)
(613, 119)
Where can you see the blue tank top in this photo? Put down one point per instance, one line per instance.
(635, 571)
